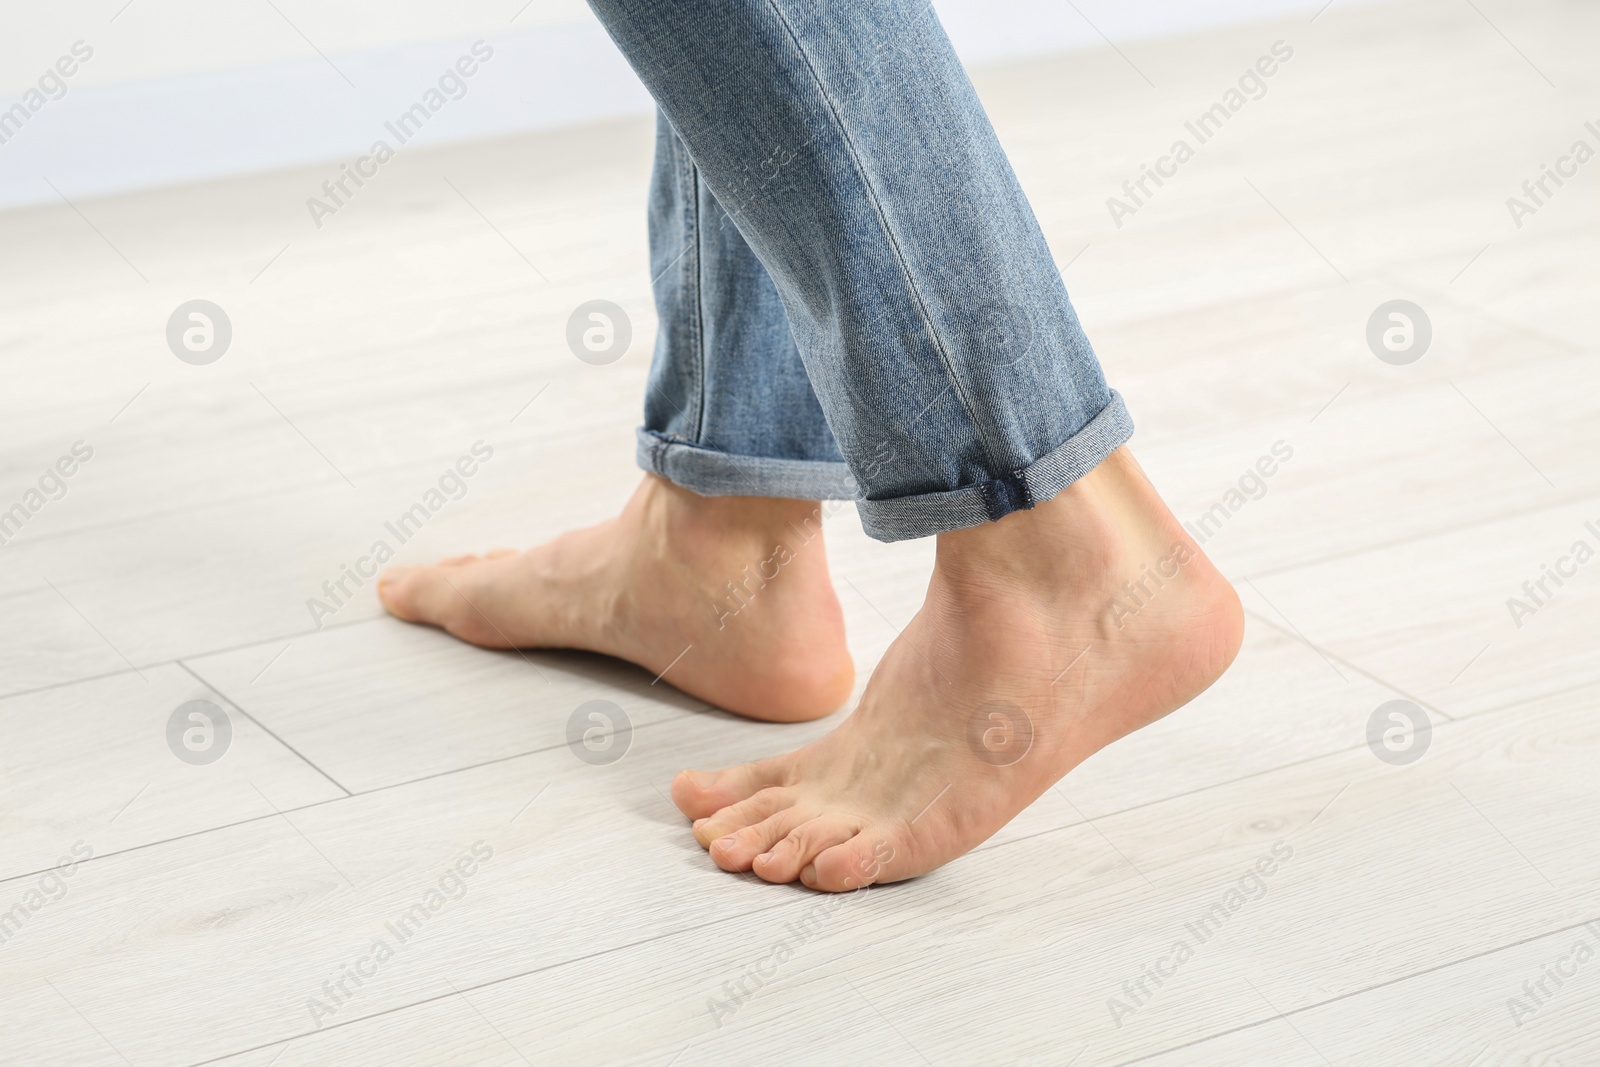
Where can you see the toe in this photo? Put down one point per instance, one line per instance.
(786, 859)
(438, 597)
(736, 851)
(417, 594)
(699, 794)
(864, 859)
(398, 591)
(745, 813)
(456, 561)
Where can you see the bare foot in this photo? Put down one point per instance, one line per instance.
(729, 596)
(1044, 637)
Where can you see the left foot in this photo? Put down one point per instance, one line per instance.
(727, 598)
(1044, 637)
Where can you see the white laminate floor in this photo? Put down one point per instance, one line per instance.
(253, 910)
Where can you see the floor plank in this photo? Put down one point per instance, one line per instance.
(1358, 901)
(1456, 644)
(1231, 310)
(91, 762)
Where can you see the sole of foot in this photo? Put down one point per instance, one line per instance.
(726, 598)
(1044, 637)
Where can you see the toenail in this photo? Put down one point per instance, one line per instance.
(700, 779)
(729, 841)
(765, 857)
(809, 875)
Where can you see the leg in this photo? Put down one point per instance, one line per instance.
(847, 146)
(738, 575)
(729, 410)
(1068, 607)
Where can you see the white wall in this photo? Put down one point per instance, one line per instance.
(181, 90)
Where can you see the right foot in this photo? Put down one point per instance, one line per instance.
(1045, 636)
(727, 598)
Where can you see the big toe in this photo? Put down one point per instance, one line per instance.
(395, 593)
(864, 859)
(418, 594)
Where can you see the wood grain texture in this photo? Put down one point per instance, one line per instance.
(370, 757)
(90, 762)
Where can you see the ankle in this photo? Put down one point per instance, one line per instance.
(1093, 534)
(682, 516)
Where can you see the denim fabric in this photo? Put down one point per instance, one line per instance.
(829, 158)
(729, 410)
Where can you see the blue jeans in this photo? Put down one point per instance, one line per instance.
(855, 298)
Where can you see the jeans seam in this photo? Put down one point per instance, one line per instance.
(689, 188)
(889, 235)
(699, 311)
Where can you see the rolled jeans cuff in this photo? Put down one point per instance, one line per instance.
(926, 514)
(710, 472)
